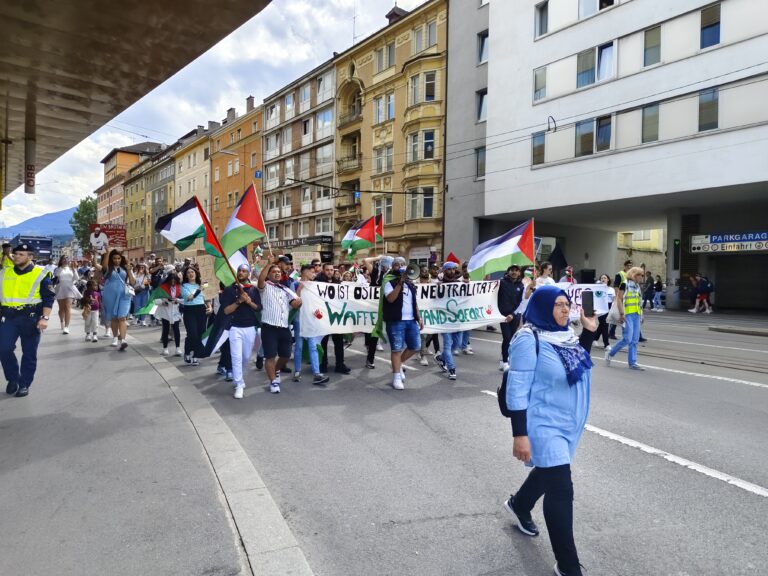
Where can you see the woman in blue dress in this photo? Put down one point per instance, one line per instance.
(548, 386)
(115, 298)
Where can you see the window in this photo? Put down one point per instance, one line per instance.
(239, 134)
(288, 172)
(482, 105)
(303, 228)
(323, 225)
(306, 127)
(589, 7)
(430, 85)
(231, 137)
(605, 61)
(383, 206)
(389, 104)
(480, 162)
(429, 144)
(380, 57)
(304, 96)
(431, 33)
(414, 92)
(229, 167)
(323, 201)
(324, 125)
(216, 204)
(288, 104)
(708, 109)
(287, 137)
(288, 230)
(538, 143)
(237, 165)
(482, 47)
(324, 158)
(603, 125)
(540, 83)
(385, 57)
(253, 159)
(420, 205)
(542, 18)
(206, 180)
(229, 200)
(304, 166)
(378, 110)
(585, 68)
(413, 147)
(585, 137)
(650, 123)
(324, 87)
(652, 54)
(391, 54)
(272, 231)
(417, 40)
(710, 26)
(206, 154)
(383, 158)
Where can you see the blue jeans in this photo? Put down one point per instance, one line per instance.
(298, 348)
(657, 300)
(464, 340)
(451, 341)
(630, 337)
(403, 334)
(12, 328)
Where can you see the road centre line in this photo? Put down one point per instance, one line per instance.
(674, 371)
(709, 345)
(695, 466)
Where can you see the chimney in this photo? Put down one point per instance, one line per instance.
(213, 125)
(249, 104)
(231, 115)
(200, 129)
(396, 14)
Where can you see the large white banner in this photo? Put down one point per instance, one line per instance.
(348, 307)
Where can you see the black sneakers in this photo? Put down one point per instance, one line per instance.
(559, 572)
(525, 524)
(320, 379)
(342, 369)
(11, 388)
(441, 362)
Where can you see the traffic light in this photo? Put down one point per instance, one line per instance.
(676, 254)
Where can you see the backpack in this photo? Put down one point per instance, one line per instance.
(706, 286)
(501, 391)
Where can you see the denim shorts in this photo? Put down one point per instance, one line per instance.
(403, 334)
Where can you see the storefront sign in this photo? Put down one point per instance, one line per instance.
(742, 242)
(108, 236)
(306, 241)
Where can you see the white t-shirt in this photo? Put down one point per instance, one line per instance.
(545, 281)
(407, 311)
(100, 242)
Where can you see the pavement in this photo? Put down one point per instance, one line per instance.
(131, 463)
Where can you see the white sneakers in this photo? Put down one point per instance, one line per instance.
(468, 351)
(87, 337)
(274, 387)
(239, 392)
(397, 383)
(402, 374)
(608, 356)
(94, 338)
(114, 342)
(66, 330)
(424, 361)
(297, 376)
(503, 366)
(379, 347)
(165, 352)
(178, 352)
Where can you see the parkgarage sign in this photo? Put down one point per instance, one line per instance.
(743, 242)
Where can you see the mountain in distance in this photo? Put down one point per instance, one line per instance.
(53, 224)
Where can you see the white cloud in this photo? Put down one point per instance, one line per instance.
(278, 45)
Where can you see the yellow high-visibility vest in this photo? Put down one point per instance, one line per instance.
(17, 290)
(631, 301)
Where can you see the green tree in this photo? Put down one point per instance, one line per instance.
(81, 220)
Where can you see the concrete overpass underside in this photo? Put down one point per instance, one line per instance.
(67, 68)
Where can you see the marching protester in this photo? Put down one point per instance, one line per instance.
(703, 288)
(451, 340)
(401, 313)
(619, 279)
(602, 328)
(224, 366)
(648, 290)
(116, 296)
(65, 277)
(568, 276)
(511, 291)
(241, 301)
(545, 275)
(330, 275)
(193, 314)
(141, 288)
(380, 266)
(548, 389)
(277, 301)
(464, 344)
(427, 339)
(658, 289)
(318, 378)
(91, 303)
(26, 300)
(630, 315)
(168, 310)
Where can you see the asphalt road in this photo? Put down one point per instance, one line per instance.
(671, 477)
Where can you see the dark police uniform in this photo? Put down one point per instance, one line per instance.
(23, 295)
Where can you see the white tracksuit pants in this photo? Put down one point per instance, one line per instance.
(241, 347)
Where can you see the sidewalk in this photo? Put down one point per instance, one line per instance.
(106, 470)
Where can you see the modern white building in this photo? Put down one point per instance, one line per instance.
(609, 115)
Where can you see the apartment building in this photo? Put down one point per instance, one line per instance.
(612, 115)
(469, 49)
(391, 129)
(138, 212)
(193, 177)
(236, 162)
(298, 143)
(159, 185)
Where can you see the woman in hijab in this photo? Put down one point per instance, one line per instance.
(548, 388)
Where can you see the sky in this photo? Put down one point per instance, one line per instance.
(278, 45)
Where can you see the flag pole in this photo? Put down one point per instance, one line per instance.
(269, 246)
(218, 242)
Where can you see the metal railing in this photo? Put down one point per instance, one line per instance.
(349, 163)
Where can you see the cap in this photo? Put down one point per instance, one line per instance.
(386, 261)
(284, 260)
(450, 266)
(244, 266)
(399, 260)
(23, 247)
(6, 245)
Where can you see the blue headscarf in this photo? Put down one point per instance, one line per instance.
(540, 309)
(540, 315)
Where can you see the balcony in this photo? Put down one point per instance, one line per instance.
(349, 163)
(355, 114)
(306, 207)
(286, 211)
(272, 214)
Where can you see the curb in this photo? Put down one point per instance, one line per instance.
(739, 330)
(265, 537)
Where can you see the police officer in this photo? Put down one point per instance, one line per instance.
(26, 299)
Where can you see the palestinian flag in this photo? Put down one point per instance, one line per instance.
(186, 224)
(216, 334)
(246, 225)
(452, 258)
(361, 235)
(379, 228)
(498, 254)
(161, 292)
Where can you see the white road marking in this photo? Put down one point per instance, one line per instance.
(484, 340)
(686, 373)
(380, 358)
(695, 466)
(709, 345)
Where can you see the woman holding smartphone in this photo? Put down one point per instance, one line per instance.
(194, 315)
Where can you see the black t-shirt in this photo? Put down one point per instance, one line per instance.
(243, 316)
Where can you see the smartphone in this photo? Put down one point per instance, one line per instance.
(588, 303)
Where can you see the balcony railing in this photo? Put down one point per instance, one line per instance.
(349, 163)
(353, 115)
(346, 200)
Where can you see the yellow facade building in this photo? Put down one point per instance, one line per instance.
(193, 178)
(138, 214)
(390, 102)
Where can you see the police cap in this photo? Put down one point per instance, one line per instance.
(23, 247)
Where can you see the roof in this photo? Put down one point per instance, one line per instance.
(142, 149)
